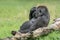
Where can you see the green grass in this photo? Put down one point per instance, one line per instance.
(14, 12)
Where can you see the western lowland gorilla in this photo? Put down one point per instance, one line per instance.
(38, 17)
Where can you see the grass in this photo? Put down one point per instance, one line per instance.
(14, 12)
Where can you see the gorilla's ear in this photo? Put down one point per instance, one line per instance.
(13, 32)
(31, 12)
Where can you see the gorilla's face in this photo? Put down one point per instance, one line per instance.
(39, 11)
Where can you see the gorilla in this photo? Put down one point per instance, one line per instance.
(39, 17)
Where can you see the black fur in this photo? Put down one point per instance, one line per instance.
(26, 26)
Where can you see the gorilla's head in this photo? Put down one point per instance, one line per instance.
(38, 11)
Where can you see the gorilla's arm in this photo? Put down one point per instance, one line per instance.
(46, 19)
(36, 24)
(25, 27)
(31, 13)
